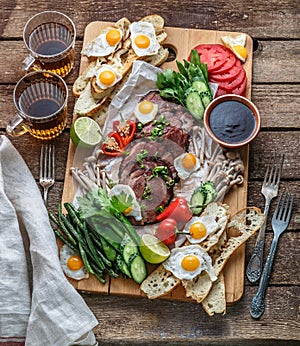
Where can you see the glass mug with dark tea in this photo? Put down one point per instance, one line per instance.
(50, 38)
(40, 98)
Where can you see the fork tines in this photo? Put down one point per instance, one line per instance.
(273, 172)
(47, 161)
(284, 207)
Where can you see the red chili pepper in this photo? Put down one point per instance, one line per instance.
(167, 231)
(177, 210)
(126, 130)
(113, 146)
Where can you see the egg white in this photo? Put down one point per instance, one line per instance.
(105, 67)
(145, 118)
(147, 29)
(181, 171)
(65, 254)
(136, 208)
(99, 47)
(173, 263)
(208, 221)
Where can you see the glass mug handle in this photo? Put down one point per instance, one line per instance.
(15, 128)
(27, 63)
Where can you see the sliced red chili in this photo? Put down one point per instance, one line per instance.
(113, 146)
(126, 130)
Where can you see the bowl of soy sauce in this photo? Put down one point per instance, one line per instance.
(232, 120)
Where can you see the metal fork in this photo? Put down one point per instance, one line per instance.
(47, 168)
(269, 190)
(280, 222)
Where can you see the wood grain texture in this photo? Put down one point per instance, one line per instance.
(275, 90)
(254, 17)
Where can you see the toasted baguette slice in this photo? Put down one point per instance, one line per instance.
(83, 79)
(215, 301)
(199, 287)
(244, 224)
(86, 105)
(155, 19)
(159, 58)
(160, 282)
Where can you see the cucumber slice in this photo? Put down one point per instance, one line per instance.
(123, 266)
(200, 85)
(128, 248)
(194, 104)
(210, 190)
(198, 201)
(206, 98)
(137, 268)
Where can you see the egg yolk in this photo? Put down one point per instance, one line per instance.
(113, 37)
(142, 41)
(107, 77)
(146, 107)
(188, 161)
(190, 263)
(127, 210)
(198, 230)
(74, 263)
(242, 51)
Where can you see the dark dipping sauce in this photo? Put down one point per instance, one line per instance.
(232, 121)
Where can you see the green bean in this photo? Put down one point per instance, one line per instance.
(63, 229)
(65, 241)
(85, 259)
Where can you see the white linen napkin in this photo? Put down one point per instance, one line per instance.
(37, 303)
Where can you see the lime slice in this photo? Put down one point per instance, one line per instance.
(153, 250)
(85, 132)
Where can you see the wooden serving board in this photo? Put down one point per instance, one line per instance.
(181, 41)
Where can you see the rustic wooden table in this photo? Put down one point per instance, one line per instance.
(275, 90)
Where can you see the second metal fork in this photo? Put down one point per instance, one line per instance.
(47, 168)
(269, 190)
(280, 222)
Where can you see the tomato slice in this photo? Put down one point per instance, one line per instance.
(214, 55)
(229, 63)
(234, 83)
(241, 89)
(226, 76)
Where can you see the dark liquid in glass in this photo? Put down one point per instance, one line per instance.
(42, 108)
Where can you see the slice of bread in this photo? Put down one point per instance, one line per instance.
(244, 224)
(215, 301)
(160, 282)
(155, 19)
(86, 105)
(199, 287)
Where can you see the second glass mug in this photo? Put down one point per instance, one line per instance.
(40, 98)
(50, 38)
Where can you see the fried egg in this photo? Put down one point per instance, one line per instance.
(198, 228)
(145, 111)
(237, 45)
(143, 39)
(126, 196)
(72, 264)
(185, 164)
(187, 262)
(107, 76)
(104, 44)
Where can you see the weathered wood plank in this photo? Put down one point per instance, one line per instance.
(259, 19)
(126, 321)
